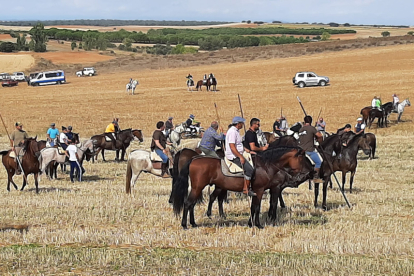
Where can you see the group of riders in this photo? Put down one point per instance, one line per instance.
(190, 81)
(376, 102)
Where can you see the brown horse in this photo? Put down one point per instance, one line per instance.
(372, 142)
(211, 82)
(124, 138)
(365, 114)
(290, 163)
(29, 162)
(200, 83)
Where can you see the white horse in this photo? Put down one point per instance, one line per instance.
(140, 161)
(131, 86)
(48, 155)
(190, 84)
(400, 108)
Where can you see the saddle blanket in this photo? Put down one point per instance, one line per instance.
(107, 139)
(155, 157)
(12, 154)
(229, 168)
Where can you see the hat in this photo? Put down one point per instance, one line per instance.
(19, 124)
(52, 124)
(238, 119)
(359, 119)
(192, 116)
(70, 127)
(64, 128)
(170, 118)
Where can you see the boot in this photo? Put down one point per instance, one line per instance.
(316, 178)
(18, 170)
(164, 170)
(246, 188)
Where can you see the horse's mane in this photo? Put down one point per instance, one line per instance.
(355, 139)
(330, 140)
(275, 154)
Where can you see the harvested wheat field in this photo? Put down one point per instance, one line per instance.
(93, 227)
(15, 62)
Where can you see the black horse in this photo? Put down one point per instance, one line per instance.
(212, 82)
(123, 140)
(382, 115)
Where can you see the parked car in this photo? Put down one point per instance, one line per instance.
(303, 79)
(50, 77)
(18, 76)
(4, 76)
(9, 82)
(89, 71)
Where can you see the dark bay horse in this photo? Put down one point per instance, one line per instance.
(200, 84)
(211, 82)
(29, 162)
(124, 138)
(382, 115)
(290, 163)
(372, 142)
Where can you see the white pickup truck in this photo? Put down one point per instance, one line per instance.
(89, 71)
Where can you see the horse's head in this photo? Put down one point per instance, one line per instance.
(30, 145)
(408, 101)
(76, 137)
(137, 134)
(346, 137)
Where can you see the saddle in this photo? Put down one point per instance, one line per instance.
(230, 169)
(60, 150)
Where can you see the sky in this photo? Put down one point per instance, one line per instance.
(379, 12)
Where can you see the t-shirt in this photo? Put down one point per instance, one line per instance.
(53, 132)
(306, 138)
(110, 128)
(276, 125)
(62, 138)
(158, 135)
(72, 150)
(250, 137)
(168, 125)
(320, 126)
(359, 127)
(18, 136)
(233, 137)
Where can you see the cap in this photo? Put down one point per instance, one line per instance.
(70, 127)
(170, 118)
(192, 116)
(238, 119)
(52, 124)
(19, 124)
(64, 128)
(359, 119)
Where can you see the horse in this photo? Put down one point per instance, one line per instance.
(372, 142)
(131, 86)
(48, 155)
(29, 163)
(140, 161)
(365, 114)
(400, 108)
(345, 160)
(190, 84)
(175, 135)
(381, 114)
(123, 140)
(211, 82)
(275, 168)
(270, 137)
(200, 83)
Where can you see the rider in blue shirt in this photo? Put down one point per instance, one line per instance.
(52, 134)
(211, 139)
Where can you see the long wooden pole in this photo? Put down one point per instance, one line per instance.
(218, 118)
(241, 112)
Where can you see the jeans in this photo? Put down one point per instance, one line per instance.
(209, 152)
(247, 168)
(74, 166)
(315, 158)
(163, 156)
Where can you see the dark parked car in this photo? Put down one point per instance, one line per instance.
(9, 82)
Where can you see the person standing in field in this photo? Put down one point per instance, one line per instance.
(72, 153)
(52, 134)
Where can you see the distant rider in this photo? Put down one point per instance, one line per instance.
(169, 126)
(320, 126)
(192, 124)
(110, 132)
(52, 134)
(63, 138)
(250, 139)
(395, 101)
(359, 127)
(17, 138)
(158, 144)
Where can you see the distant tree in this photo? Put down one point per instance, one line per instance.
(333, 24)
(7, 47)
(89, 41)
(410, 33)
(248, 21)
(73, 45)
(80, 45)
(385, 33)
(325, 36)
(21, 43)
(101, 43)
(127, 42)
(347, 25)
(39, 36)
(264, 40)
(211, 43)
(276, 22)
(31, 45)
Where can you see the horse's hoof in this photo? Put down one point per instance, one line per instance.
(325, 208)
(194, 225)
(259, 226)
(185, 227)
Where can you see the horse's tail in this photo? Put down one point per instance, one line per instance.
(128, 177)
(174, 174)
(180, 189)
(40, 163)
(4, 152)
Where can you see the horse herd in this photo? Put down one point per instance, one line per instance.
(283, 165)
(369, 114)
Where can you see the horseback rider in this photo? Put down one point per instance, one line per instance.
(307, 135)
(395, 101)
(359, 127)
(111, 131)
(52, 134)
(63, 138)
(276, 127)
(320, 126)
(69, 134)
(205, 79)
(17, 138)
(346, 128)
(211, 139)
(169, 126)
(211, 76)
(190, 81)
(250, 139)
(158, 144)
(284, 126)
(192, 124)
(234, 153)
(376, 103)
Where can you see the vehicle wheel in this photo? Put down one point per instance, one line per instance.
(90, 74)
(78, 76)
(322, 83)
(58, 82)
(301, 84)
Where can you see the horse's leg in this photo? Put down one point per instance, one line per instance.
(324, 193)
(255, 209)
(222, 196)
(213, 197)
(310, 184)
(103, 154)
(343, 181)
(351, 181)
(36, 182)
(123, 154)
(330, 182)
(188, 206)
(117, 155)
(316, 191)
(24, 182)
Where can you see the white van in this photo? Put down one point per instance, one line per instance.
(50, 77)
